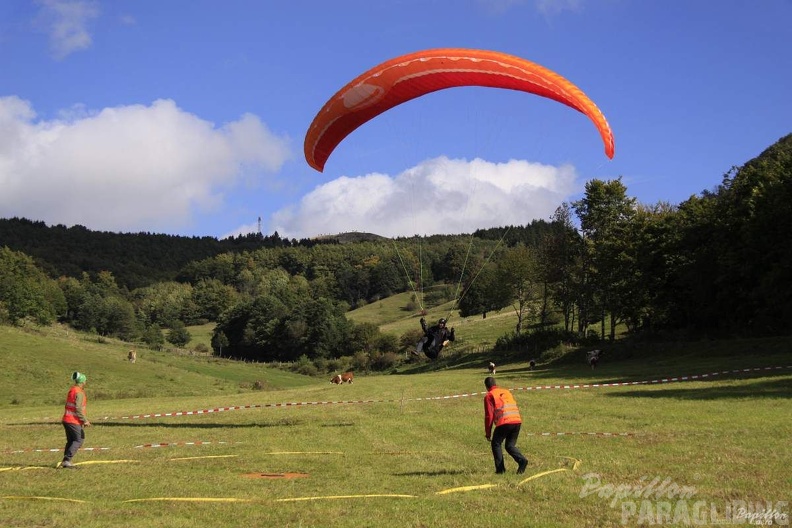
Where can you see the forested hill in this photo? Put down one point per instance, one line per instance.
(134, 259)
(142, 259)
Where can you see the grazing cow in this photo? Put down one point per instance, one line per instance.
(336, 379)
(532, 364)
(593, 358)
(132, 356)
(347, 377)
(491, 367)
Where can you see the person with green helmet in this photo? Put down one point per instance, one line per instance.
(74, 419)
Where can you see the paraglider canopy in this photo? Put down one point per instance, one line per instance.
(416, 74)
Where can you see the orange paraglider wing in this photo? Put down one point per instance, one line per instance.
(398, 80)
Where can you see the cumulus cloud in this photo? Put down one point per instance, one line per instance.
(439, 196)
(66, 22)
(128, 20)
(127, 168)
(553, 7)
(546, 7)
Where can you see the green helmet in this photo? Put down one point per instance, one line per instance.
(79, 377)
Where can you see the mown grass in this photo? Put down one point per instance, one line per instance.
(726, 436)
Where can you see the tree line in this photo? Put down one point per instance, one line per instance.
(134, 259)
(715, 264)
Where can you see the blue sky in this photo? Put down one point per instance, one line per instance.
(187, 117)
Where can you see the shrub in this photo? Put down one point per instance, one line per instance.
(361, 361)
(153, 337)
(341, 364)
(438, 296)
(321, 364)
(305, 366)
(387, 343)
(538, 341)
(408, 339)
(412, 304)
(381, 361)
(179, 335)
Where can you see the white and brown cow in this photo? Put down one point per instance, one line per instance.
(346, 377)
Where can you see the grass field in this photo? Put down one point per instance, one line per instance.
(403, 450)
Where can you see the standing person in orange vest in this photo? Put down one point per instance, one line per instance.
(500, 410)
(74, 419)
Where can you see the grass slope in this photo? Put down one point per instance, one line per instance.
(37, 364)
(392, 317)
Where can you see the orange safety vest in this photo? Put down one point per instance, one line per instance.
(70, 414)
(506, 411)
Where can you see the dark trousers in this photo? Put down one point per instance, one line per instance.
(509, 433)
(75, 434)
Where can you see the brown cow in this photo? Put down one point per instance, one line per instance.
(491, 367)
(347, 377)
(336, 379)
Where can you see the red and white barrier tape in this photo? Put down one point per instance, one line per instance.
(581, 434)
(57, 449)
(162, 444)
(239, 407)
(454, 396)
(615, 384)
(174, 444)
(655, 381)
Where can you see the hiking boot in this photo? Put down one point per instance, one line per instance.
(522, 466)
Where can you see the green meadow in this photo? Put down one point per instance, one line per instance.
(403, 449)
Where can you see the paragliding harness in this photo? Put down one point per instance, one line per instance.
(435, 338)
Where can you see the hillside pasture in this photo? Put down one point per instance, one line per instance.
(391, 317)
(38, 360)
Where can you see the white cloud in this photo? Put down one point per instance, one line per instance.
(546, 7)
(128, 168)
(66, 22)
(438, 196)
(553, 7)
(499, 6)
